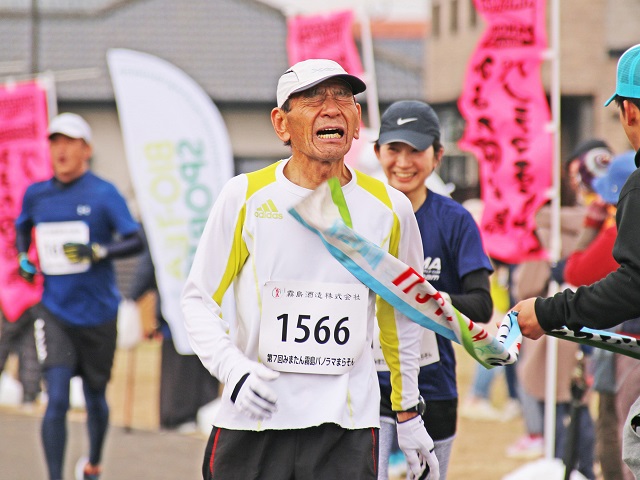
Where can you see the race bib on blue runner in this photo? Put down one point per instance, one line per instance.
(50, 237)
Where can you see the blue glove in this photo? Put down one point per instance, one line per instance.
(26, 269)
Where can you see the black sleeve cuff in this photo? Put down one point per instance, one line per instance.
(238, 386)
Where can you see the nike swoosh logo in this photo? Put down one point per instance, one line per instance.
(402, 121)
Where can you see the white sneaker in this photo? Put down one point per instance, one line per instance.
(79, 470)
(511, 410)
(526, 448)
(187, 428)
(479, 409)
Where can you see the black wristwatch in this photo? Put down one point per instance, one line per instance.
(419, 408)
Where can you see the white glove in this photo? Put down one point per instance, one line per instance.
(253, 396)
(417, 446)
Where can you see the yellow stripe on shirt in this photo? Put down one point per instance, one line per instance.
(384, 311)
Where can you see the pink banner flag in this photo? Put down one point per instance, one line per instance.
(324, 36)
(506, 113)
(24, 159)
(327, 36)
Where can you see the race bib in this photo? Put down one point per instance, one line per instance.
(429, 352)
(50, 237)
(313, 327)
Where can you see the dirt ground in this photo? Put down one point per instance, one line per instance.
(479, 448)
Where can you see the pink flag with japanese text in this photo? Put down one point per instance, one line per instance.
(506, 113)
(324, 36)
(24, 159)
(327, 36)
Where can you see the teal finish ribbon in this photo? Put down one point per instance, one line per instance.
(401, 286)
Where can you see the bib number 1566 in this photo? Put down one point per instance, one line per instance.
(313, 327)
(322, 333)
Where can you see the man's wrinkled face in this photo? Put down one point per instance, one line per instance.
(321, 122)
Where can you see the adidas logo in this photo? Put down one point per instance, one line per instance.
(268, 210)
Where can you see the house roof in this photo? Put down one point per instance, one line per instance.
(235, 49)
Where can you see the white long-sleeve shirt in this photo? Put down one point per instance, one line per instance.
(251, 239)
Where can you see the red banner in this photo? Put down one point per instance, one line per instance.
(506, 113)
(24, 159)
(324, 36)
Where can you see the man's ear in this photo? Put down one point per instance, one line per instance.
(279, 122)
(88, 149)
(633, 112)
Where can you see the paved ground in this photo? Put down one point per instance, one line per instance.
(134, 454)
(143, 451)
(140, 451)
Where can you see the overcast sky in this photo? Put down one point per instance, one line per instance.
(388, 9)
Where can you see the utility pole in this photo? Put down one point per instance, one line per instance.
(35, 36)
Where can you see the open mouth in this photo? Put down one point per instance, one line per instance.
(329, 133)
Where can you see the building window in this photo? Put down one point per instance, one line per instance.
(454, 16)
(473, 14)
(435, 19)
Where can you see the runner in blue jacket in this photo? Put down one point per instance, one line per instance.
(80, 222)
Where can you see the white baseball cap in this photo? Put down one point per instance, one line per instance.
(306, 74)
(71, 125)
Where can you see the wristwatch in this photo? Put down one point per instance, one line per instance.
(419, 408)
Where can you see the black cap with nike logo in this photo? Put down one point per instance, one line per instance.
(410, 121)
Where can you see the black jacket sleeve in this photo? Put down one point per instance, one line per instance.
(127, 245)
(609, 301)
(23, 238)
(475, 302)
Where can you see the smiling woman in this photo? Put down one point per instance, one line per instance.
(409, 149)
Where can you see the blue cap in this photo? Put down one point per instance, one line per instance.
(609, 185)
(628, 75)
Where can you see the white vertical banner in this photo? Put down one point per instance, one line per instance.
(179, 156)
